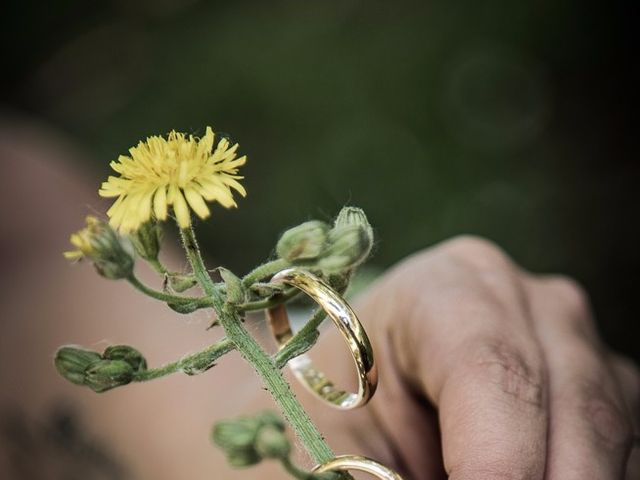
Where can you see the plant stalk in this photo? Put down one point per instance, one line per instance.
(167, 297)
(265, 270)
(254, 354)
(191, 364)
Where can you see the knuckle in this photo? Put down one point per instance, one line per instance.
(477, 251)
(503, 365)
(572, 302)
(570, 294)
(590, 408)
(606, 421)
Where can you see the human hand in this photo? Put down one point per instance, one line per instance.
(490, 372)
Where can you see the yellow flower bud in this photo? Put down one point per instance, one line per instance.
(99, 243)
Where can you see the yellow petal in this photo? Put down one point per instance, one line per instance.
(181, 210)
(160, 203)
(197, 203)
(144, 208)
(73, 255)
(235, 185)
(171, 194)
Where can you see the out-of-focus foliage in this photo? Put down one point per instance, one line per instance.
(503, 119)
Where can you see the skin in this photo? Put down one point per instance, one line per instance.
(486, 371)
(490, 372)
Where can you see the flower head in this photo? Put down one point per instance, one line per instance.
(179, 171)
(99, 243)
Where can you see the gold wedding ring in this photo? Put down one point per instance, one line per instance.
(345, 319)
(354, 462)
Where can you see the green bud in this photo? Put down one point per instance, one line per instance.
(129, 354)
(107, 374)
(236, 434)
(348, 247)
(272, 442)
(350, 241)
(101, 244)
(248, 440)
(304, 242)
(269, 417)
(72, 362)
(235, 290)
(146, 240)
(179, 282)
(353, 216)
(243, 458)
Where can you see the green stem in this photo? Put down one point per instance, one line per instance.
(158, 266)
(283, 297)
(265, 270)
(191, 364)
(167, 297)
(254, 354)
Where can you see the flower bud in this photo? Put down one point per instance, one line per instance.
(246, 441)
(146, 240)
(271, 442)
(236, 438)
(349, 241)
(304, 242)
(348, 247)
(72, 362)
(236, 434)
(128, 354)
(100, 243)
(243, 458)
(271, 418)
(107, 374)
(354, 216)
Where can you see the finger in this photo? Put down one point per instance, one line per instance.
(469, 346)
(628, 378)
(398, 427)
(589, 433)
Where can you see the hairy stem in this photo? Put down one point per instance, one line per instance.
(158, 266)
(254, 354)
(167, 297)
(191, 364)
(268, 302)
(265, 270)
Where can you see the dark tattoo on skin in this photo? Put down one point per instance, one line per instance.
(55, 447)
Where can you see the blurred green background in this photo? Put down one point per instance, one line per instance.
(510, 120)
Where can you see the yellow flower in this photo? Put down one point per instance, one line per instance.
(83, 240)
(179, 171)
(99, 243)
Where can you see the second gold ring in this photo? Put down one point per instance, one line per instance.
(345, 319)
